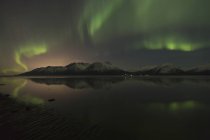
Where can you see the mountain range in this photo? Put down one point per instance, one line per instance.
(77, 69)
(109, 69)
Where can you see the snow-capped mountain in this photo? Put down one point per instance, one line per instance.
(77, 69)
(109, 69)
(165, 69)
(200, 70)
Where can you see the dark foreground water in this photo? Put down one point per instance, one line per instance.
(138, 108)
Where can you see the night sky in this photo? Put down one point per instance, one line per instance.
(127, 33)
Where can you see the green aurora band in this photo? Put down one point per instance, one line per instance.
(173, 44)
(108, 19)
(27, 51)
(97, 16)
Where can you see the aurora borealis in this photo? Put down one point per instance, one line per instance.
(29, 51)
(128, 33)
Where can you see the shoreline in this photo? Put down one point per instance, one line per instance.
(23, 122)
(101, 76)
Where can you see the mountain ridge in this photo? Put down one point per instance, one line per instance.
(99, 68)
(96, 68)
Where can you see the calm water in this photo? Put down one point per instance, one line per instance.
(136, 108)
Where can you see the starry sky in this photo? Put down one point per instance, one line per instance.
(127, 33)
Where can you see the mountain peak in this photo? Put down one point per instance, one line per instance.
(77, 66)
(163, 69)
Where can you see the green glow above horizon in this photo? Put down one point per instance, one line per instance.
(173, 45)
(10, 70)
(28, 51)
(106, 20)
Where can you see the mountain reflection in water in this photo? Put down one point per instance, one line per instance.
(123, 107)
(105, 82)
(80, 83)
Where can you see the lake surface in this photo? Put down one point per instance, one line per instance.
(136, 108)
